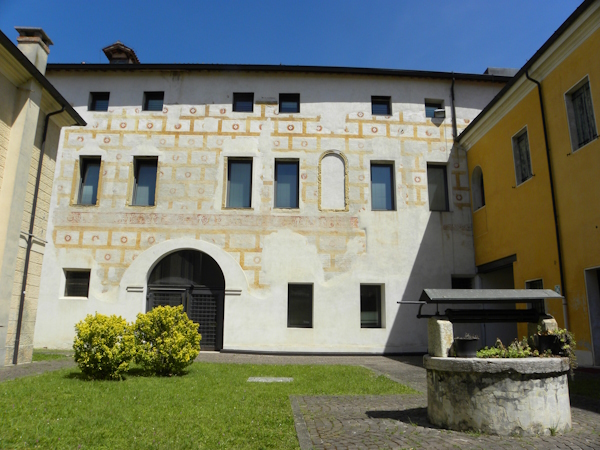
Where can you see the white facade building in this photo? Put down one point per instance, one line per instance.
(295, 206)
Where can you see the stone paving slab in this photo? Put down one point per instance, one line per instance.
(400, 421)
(34, 368)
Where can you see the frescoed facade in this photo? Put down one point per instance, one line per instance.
(290, 209)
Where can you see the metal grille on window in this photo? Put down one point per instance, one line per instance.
(77, 283)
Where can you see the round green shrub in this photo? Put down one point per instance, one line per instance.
(166, 340)
(104, 346)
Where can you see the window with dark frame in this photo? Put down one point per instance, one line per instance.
(144, 186)
(89, 179)
(580, 112)
(289, 103)
(300, 305)
(153, 101)
(534, 284)
(522, 157)
(382, 187)
(286, 184)
(430, 108)
(243, 101)
(77, 283)
(99, 101)
(381, 106)
(437, 188)
(239, 183)
(462, 283)
(370, 306)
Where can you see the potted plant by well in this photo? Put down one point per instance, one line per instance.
(466, 346)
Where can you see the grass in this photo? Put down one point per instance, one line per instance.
(48, 355)
(212, 406)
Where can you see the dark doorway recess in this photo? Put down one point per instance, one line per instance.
(195, 280)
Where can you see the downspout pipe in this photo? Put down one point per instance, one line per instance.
(556, 227)
(30, 234)
(454, 129)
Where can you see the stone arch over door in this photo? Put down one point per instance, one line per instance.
(133, 289)
(333, 181)
(194, 280)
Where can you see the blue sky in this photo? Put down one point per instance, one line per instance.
(444, 35)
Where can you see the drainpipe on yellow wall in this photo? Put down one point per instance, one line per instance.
(454, 128)
(30, 235)
(556, 226)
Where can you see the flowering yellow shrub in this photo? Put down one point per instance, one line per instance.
(104, 346)
(167, 341)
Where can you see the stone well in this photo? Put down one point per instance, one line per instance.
(524, 396)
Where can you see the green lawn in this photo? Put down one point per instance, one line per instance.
(213, 406)
(47, 355)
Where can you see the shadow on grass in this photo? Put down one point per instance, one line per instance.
(134, 372)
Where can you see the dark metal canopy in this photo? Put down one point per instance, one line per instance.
(491, 296)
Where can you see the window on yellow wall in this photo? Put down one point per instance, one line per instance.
(522, 156)
(580, 113)
(477, 190)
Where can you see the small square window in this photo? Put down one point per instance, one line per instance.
(243, 101)
(300, 305)
(381, 106)
(431, 107)
(77, 283)
(462, 283)
(437, 186)
(289, 103)
(522, 156)
(89, 178)
(144, 186)
(382, 187)
(286, 184)
(239, 183)
(99, 101)
(534, 284)
(580, 113)
(370, 306)
(153, 101)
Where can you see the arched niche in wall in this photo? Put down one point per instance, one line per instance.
(477, 190)
(333, 181)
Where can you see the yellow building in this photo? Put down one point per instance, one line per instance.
(32, 113)
(534, 161)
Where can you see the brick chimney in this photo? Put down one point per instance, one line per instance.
(34, 43)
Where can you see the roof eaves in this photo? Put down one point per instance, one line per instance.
(40, 78)
(556, 35)
(280, 68)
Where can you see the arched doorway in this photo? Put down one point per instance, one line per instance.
(195, 280)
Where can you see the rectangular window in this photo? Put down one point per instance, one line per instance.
(289, 103)
(77, 283)
(437, 186)
(243, 101)
(580, 113)
(300, 305)
(144, 181)
(462, 283)
(370, 306)
(286, 184)
(522, 157)
(382, 187)
(239, 183)
(534, 284)
(430, 108)
(153, 101)
(381, 106)
(99, 101)
(90, 176)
